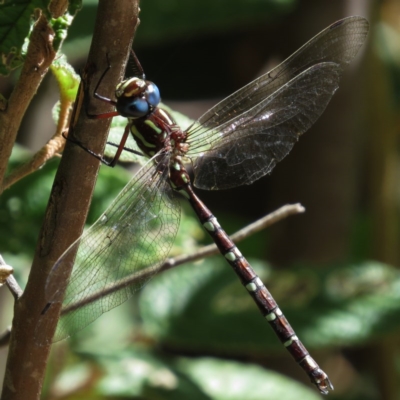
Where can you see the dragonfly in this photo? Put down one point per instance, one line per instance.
(234, 143)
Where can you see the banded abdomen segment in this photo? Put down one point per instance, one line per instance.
(260, 294)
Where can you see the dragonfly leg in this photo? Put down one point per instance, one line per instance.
(139, 72)
(120, 148)
(100, 97)
(111, 114)
(78, 143)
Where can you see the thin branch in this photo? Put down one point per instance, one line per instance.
(207, 251)
(270, 219)
(40, 55)
(51, 149)
(15, 289)
(68, 204)
(263, 223)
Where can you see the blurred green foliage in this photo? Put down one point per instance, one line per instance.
(181, 337)
(201, 310)
(16, 19)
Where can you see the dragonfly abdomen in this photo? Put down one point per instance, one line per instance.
(260, 294)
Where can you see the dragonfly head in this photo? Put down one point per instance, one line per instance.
(137, 98)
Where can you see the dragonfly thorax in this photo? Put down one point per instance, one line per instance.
(137, 98)
(158, 131)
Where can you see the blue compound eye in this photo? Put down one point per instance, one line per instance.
(137, 98)
(153, 94)
(138, 108)
(133, 108)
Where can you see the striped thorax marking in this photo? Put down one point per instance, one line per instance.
(140, 137)
(130, 87)
(166, 116)
(153, 126)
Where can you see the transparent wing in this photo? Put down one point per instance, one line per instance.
(252, 144)
(338, 43)
(117, 254)
(216, 131)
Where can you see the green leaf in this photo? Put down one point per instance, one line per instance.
(72, 379)
(204, 308)
(60, 26)
(15, 24)
(68, 83)
(23, 205)
(133, 372)
(228, 380)
(364, 304)
(141, 374)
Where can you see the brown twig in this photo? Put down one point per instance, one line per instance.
(270, 219)
(39, 57)
(206, 251)
(6, 274)
(14, 288)
(68, 205)
(51, 149)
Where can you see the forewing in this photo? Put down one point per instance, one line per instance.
(119, 253)
(250, 145)
(338, 43)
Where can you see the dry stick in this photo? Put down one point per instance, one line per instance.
(207, 251)
(52, 148)
(38, 59)
(68, 205)
(270, 219)
(264, 222)
(15, 289)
